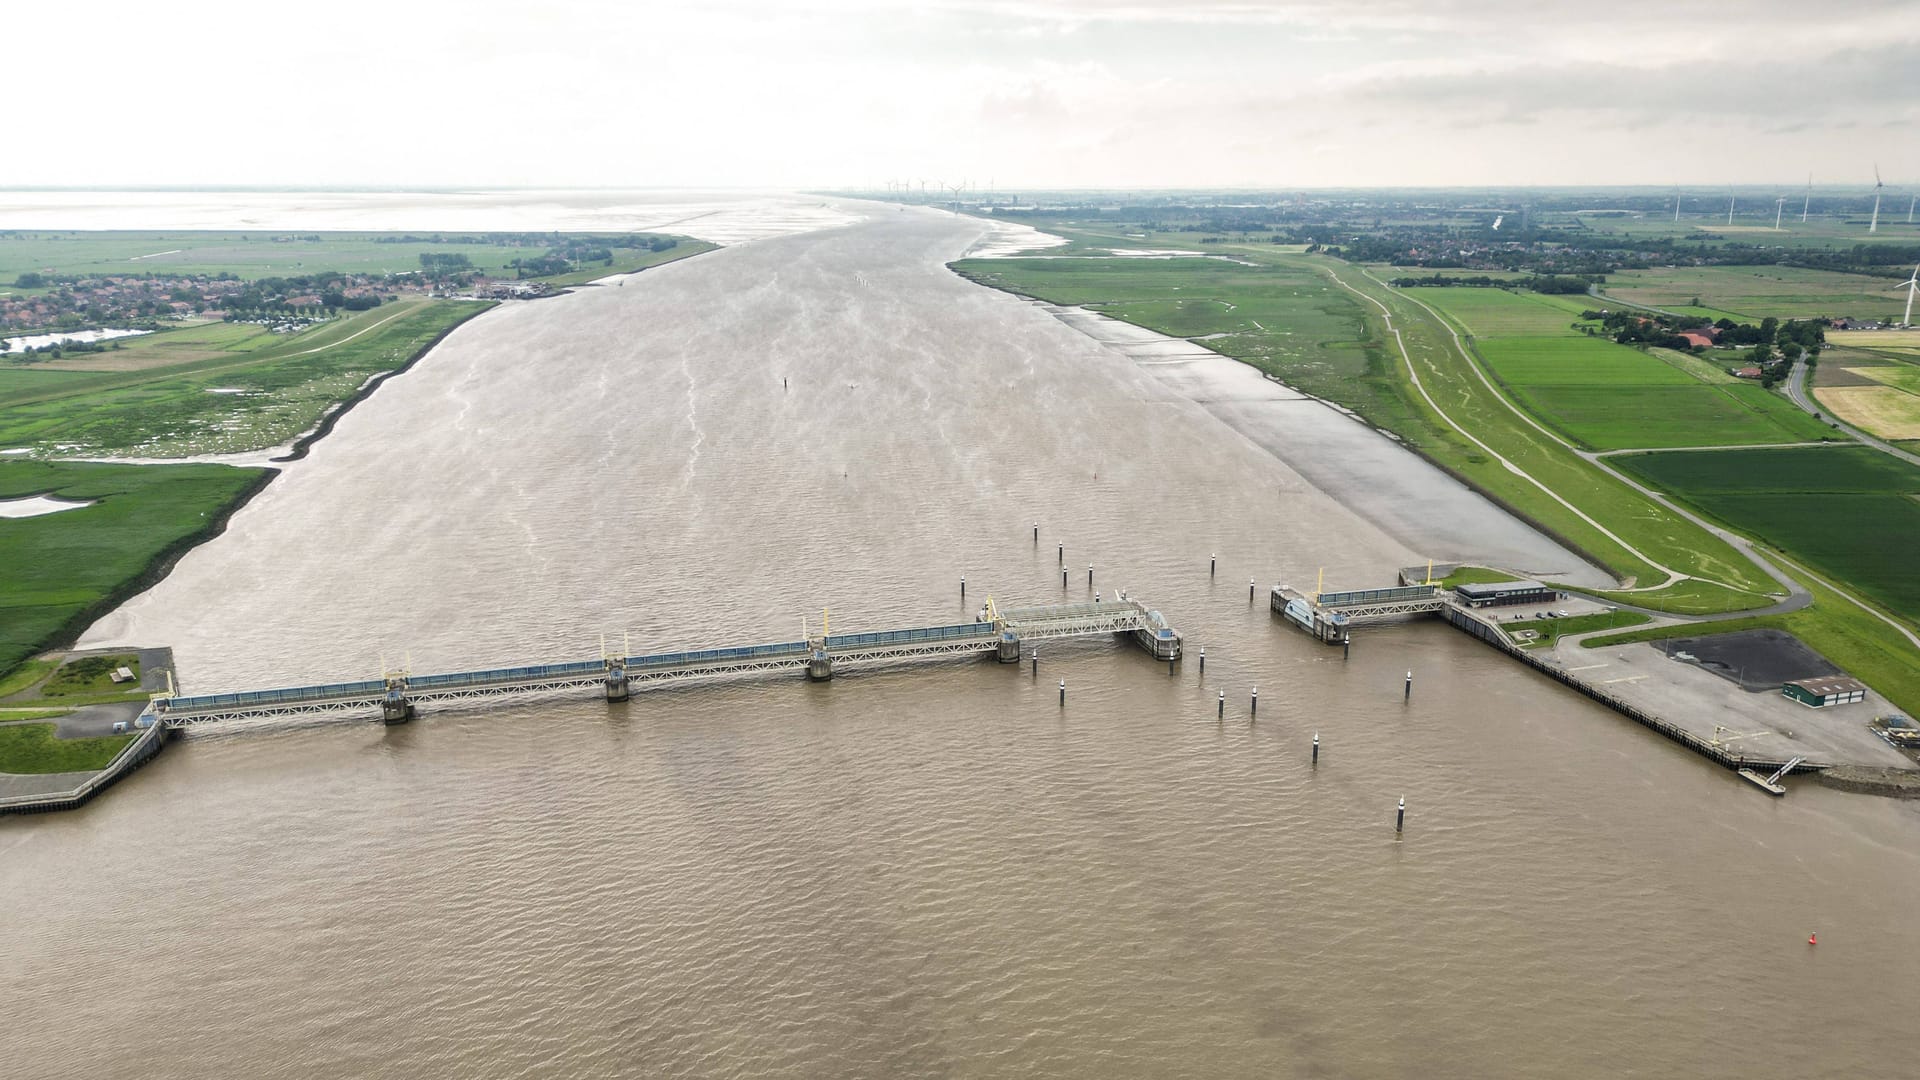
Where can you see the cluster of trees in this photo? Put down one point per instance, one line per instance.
(1540, 283)
(1559, 285)
(1450, 281)
(541, 265)
(574, 251)
(1789, 337)
(434, 262)
(1630, 328)
(1879, 259)
(38, 353)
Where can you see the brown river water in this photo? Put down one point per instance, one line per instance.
(930, 870)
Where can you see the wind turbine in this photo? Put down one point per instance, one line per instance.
(1809, 200)
(1729, 209)
(1676, 205)
(1912, 283)
(1874, 225)
(1779, 207)
(1911, 199)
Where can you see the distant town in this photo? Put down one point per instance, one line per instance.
(42, 302)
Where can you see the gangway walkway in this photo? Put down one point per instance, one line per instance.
(396, 697)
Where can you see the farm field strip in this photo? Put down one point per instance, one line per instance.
(1488, 312)
(1849, 511)
(1885, 412)
(1751, 293)
(266, 399)
(1877, 339)
(1607, 396)
(1900, 376)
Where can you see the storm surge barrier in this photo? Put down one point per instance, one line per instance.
(397, 697)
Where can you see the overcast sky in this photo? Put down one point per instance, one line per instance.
(1017, 93)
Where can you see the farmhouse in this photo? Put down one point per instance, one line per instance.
(1696, 339)
(1824, 690)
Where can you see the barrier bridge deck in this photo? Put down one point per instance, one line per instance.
(999, 631)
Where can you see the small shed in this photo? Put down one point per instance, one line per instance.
(1824, 690)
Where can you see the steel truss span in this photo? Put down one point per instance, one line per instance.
(1383, 611)
(468, 689)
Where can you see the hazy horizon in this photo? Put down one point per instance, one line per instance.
(858, 191)
(1012, 94)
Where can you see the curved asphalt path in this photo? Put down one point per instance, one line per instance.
(1797, 393)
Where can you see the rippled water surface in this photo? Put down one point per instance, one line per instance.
(918, 871)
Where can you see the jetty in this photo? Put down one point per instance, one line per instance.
(1332, 618)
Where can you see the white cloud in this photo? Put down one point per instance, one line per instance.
(1029, 92)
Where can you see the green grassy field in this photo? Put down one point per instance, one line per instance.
(1486, 312)
(1751, 293)
(33, 748)
(1900, 376)
(1572, 360)
(1552, 630)
(1629, 417)
(58, 571)
(24, 676)
(1753, 224)
(90, 676)
(174, 344)
(1606, 396)
(226, 402)
(1475, 575)
(1849, 511)
(1286, 319)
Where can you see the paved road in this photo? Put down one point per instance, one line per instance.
(1797, 393)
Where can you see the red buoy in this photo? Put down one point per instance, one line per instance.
(1813, 939)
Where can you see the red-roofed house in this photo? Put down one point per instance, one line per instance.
(1696, 339)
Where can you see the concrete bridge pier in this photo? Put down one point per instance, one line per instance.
(819, 666)
(395, 708)
(617, 687)
(1009, 647)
